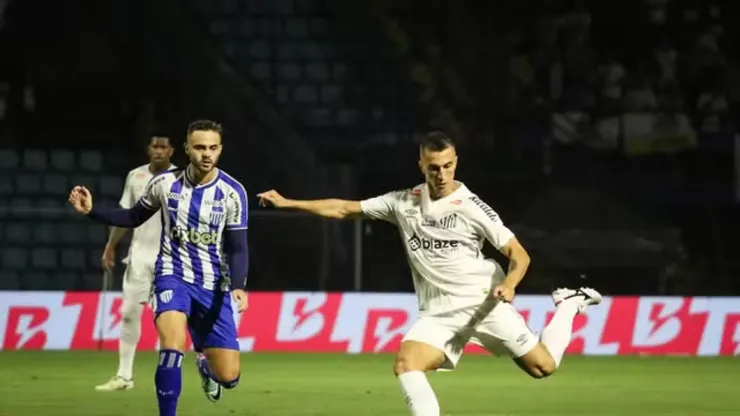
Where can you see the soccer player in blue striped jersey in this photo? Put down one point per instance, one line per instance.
(201, 266)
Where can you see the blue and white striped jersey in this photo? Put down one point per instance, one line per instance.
(194, 218)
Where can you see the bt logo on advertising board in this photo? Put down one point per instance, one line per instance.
(190, 235)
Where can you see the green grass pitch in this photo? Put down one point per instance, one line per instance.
(61, 383)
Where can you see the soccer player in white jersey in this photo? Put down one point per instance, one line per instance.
(463, 296)
(139, 275)
(201, 266)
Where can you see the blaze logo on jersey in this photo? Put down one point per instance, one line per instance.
(190, 235)
(417, 243)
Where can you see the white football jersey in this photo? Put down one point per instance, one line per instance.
(145, 241)
(443, 240)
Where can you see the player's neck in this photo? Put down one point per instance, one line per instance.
(198, 177)
(156, 169)
(434, 196)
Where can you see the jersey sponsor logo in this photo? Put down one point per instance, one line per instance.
(176, 196)
(428, 222)
(189, 235)
(416, 243)
(485, 208)
(411, 212)
(214, 203)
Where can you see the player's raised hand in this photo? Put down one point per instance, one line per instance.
(272, 197)
(503, 292)
(81, 199)
(240, 297)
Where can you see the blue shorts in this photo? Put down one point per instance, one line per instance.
(210, 316)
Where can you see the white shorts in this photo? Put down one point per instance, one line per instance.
(495, 326)
(137, 281)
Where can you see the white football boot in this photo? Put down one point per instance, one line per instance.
(116, 384)
(210, 387)
(585, 297)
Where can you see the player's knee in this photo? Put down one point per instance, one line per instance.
(542, 369)
(132, 314)
(404, 364)
(232, 382)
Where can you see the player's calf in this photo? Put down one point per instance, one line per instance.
(168, 377)
(221, 365)
(413, 359)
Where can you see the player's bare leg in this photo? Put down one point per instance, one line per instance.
(130, 333)
(412, 361)
(168, 378)
(545, 358)
(218, 367)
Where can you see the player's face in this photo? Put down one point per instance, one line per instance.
(203, 148)
(439, 170)
(160, 151)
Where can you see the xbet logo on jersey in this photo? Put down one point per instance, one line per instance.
(189, 235)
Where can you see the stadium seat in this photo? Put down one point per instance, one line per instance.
(44, 233)
(9, 281)
(259, 50)
(14, 258)
(35, 281)
(35, 160)
(260, 70)
(65, 281)
(91, 160)
(330, 93)
(317, 71)
(28, 184)
(93, 258)
(111, 186)
(16, 233)
(91, 182)
(296, 27)
(73, 259)
(56, 184)
(63, 160)
(6, 184)
(21, 208)
(305, 94)
(44, 258)
(69, 232)
(8, 159)
(96, 233)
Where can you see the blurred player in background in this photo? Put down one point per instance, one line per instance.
(139, 275)
(463, 297)
(201, 266)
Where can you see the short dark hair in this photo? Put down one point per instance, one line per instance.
(160, 136)
(205, 125)
(435, 141)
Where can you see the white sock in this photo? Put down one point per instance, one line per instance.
(556, 336)
(130, 334)
(419, 394)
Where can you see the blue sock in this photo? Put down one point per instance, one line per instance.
(205, 369)
(168, 381)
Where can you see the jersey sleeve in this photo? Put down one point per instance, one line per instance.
(127, 198)
(152, 198)
(488, 223)
(382, 207)
(237, 210)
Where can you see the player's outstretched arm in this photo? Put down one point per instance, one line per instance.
(81, 199)
(327, 208)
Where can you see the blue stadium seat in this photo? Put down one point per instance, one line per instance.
(91, 160)
(28, 184)
(35, 160)
(63, 160)
(9, 281)
(8, 159)
(44, 258)
(14, 258)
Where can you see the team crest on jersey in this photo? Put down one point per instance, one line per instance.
(216, 217)
(166, 296)
(448, 222)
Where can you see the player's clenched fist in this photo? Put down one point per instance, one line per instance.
(81, 199)
(272, 197)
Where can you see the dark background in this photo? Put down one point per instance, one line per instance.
(322, 98)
